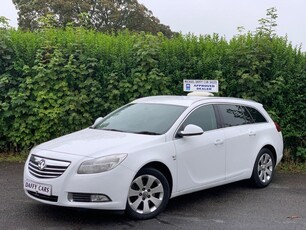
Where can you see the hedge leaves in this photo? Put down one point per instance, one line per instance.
(54, 82)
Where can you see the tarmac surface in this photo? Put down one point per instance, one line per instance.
(282, 205)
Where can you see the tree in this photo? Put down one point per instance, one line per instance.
(4, 23)
(268, 24)
(102, 15)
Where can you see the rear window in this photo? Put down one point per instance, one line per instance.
(256, 115)
(233, 115)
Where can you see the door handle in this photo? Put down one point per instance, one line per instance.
(252, 133)
(219, 142)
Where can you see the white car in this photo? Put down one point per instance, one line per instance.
(153, 149)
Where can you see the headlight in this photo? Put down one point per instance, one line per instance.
(101, 164)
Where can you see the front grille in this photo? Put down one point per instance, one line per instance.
(47, 168)
(43, 197)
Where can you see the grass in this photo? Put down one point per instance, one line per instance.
(289, 165)
(13, 157)
(292, 167)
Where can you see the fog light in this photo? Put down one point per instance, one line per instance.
(99, 198)
(87, 197)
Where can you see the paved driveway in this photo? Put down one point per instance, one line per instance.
(235, 206)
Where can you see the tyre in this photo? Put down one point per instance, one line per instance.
(148, 194)
(263, 168)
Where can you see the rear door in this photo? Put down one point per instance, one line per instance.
(240, 139)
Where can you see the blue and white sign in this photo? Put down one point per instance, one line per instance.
(201, 85)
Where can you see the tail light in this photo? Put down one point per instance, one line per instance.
(277, 126)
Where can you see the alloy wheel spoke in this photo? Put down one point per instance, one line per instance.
(265, 177)
(269, 172)
(150, 181)
(261, 175)
(269, 163)
(133, 192)
(155, 201)
(264, 159)
(146, 208)
(136, 203)
(157, 189)
(139, 182)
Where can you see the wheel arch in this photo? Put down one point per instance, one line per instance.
(272, 149)
(163, 169)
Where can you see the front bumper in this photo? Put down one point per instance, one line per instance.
(114, 184)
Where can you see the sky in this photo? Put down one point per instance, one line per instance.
(224, 16)
(216, 16)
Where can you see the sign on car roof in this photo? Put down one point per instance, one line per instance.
(201, 85)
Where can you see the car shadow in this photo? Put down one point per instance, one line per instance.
(181, 205)
(208, 197)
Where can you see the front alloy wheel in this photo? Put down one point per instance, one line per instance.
(263, 168)
(148, 194)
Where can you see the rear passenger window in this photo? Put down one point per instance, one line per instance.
(203, 117)
(256, 115)
(233, 115)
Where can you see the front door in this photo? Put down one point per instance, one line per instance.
(201, 159)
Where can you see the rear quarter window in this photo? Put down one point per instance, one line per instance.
(256, 115)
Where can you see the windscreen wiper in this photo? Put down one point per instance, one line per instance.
(116, 130)
(147, 132)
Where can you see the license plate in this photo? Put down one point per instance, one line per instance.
(44, 189)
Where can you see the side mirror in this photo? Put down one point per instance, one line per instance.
(97, 121)
(191, 130)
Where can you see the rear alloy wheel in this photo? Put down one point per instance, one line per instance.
(263, 168)
(148, 194)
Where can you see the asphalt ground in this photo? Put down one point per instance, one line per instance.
(282, 205)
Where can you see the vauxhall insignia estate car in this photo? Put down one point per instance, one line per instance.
(153, 149)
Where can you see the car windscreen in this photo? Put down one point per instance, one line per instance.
(142, 118)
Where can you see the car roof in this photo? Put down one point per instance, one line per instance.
(189, 100)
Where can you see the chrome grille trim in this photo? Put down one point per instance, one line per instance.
(51, 168)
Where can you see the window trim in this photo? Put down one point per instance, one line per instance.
(219, 117)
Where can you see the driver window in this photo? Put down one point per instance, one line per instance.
(203, 117)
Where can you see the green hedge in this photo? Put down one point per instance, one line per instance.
(54, 82)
